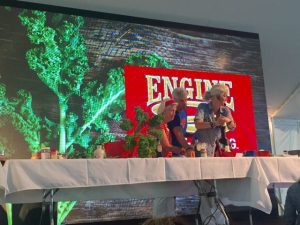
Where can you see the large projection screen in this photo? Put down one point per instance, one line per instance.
(62, 75)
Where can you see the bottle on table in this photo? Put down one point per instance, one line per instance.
(197, 148)
(45, 153)
(99, 153)
(158, 148)
(203, 150)
(53, 153)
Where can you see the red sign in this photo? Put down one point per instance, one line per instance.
(146, 87)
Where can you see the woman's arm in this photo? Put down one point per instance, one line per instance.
(180, 137)
(202, 110)
(231, 124)
(168, 146)
(228, 119)
(200, 124)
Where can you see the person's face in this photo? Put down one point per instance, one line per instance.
(181, 104)
(170, 113)
(222, 98)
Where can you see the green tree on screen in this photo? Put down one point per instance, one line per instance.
(59, 60)
(18, 111)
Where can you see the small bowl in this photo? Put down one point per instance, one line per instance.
(263, 153)
(228, 154)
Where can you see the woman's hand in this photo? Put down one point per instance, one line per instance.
(177, 150)
(190, 153)
(221, 120)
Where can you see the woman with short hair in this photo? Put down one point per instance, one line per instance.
(167, 109)
(211, 116)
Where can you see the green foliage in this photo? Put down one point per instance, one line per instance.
(99, 103)
(126, 125)
(6, 107)
(145, 133)
(155, 120)
(59, 59)
(71, 124)
(19, 112)
(147, 146)
(141, 115)
(51, 128)
(151, 60)
(63, 209)
(155, 132)
(25, 121)
(130, 141)
(8, 207)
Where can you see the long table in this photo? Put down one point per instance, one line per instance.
(240, 181)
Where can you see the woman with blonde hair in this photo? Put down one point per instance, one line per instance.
(211, 116)
(167, 109)
(210, 119)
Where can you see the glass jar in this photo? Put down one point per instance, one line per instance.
(45, 153)
(53, 154)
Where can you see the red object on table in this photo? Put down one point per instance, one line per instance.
(222, 153)
(116, 149)
(263, 153)
(228, 154)
(53, 153)
(169, 155)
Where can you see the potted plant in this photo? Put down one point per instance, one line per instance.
(143, 133)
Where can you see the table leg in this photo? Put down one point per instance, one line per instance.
(208, 193)
(48, 199)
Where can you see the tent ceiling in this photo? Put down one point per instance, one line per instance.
(276, 21)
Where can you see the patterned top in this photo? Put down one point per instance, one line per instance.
(209, 135)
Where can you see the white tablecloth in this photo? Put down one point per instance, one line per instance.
(240, 181)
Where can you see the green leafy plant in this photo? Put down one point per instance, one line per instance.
(60, 61)
(19, 112)
(144, 134)
(58, 56)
